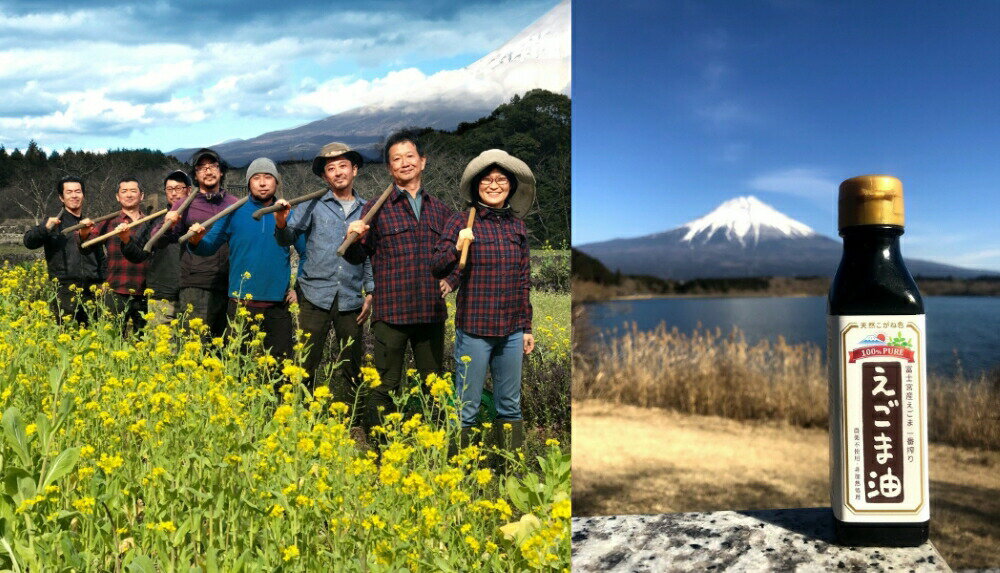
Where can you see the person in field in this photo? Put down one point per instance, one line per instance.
(260, 270)
(164, 262)
(204, 279)
(493, 312)
(73, 267)
(331, 291)
(126, 297)
(407, 307)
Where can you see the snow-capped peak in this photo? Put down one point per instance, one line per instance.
(744, 219)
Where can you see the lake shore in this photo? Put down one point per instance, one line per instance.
(630, 460)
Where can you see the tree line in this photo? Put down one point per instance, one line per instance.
(534, 127)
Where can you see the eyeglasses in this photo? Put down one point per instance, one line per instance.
(207, 167)
(500, 181)
(176, 188)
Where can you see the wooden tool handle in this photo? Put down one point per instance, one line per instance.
(135, 223)
(465, 247)
(211, 220)
(291, 203)
(163, 228)
(79, 226)
(367, 219)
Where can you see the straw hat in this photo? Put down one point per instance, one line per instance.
(520, 199)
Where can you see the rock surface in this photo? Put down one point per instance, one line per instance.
(769, 540)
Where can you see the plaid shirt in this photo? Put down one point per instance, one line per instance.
(125, 277)
(400, 248)
(495, 286)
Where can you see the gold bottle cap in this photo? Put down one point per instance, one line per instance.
(871, 200)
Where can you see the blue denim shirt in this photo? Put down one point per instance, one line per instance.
(325, 275)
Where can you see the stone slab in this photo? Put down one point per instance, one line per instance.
(767, 540)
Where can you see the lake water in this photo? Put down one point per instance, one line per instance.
(965, 329)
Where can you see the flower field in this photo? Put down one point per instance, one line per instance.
(169, 451)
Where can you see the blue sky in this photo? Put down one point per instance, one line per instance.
(681, 105)
(166, 74)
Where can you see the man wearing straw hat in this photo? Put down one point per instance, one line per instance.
(204, 280)
(127, 279)
(164, 269)
(408, 307)
(493, 311)
(260, 270)
(332, 291)
(71, 266)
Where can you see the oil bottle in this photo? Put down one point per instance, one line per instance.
(877, 368)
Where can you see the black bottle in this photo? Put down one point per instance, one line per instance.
(878, 391)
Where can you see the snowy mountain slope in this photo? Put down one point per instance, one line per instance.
(537, 57)
(744, 220)
(742, 237)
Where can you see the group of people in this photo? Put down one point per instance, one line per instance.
(406, 258)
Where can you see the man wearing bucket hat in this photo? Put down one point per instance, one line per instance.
(203, 279)
(260, 270)
(163, 272)
(493, 315)
(408, 307)
(332, 292)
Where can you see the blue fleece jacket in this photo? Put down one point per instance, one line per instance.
(252, 249)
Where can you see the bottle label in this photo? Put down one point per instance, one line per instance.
(878, 422)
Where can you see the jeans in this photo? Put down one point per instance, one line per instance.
(503, 356)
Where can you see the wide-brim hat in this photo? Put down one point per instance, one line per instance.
(521, 199)
(332, 151)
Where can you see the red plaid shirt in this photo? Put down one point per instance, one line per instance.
(125, 277)
(495, 286)
(400, 248)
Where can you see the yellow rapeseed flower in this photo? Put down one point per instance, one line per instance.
(290, 552)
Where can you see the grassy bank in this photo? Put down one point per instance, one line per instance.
(714, 373)
(631, 460)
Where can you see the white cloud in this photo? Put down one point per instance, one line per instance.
(798, 181)
(103, 71)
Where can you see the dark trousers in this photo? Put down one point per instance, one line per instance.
(208, 305)
(276, 324)
(426, 341)
(70, 304)
(127, 308)
(345, 382)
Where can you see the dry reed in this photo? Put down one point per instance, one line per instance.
(711, 373)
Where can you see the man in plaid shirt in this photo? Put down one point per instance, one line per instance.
(127, 279)
(408, 305)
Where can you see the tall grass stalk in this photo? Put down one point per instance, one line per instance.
(710, 372)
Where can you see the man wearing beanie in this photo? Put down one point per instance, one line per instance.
(331, 291)
(203, 279)
(260, 270)
(164, 269)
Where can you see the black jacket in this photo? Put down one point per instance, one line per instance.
(164, 271)
(66, 261)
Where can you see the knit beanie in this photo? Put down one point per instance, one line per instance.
(263, 165)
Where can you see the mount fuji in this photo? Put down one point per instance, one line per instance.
(537, 57)
(742, 237)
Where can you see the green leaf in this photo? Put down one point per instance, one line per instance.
(141, 564)
(13, 430)
(211, 563)
(62, 465)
